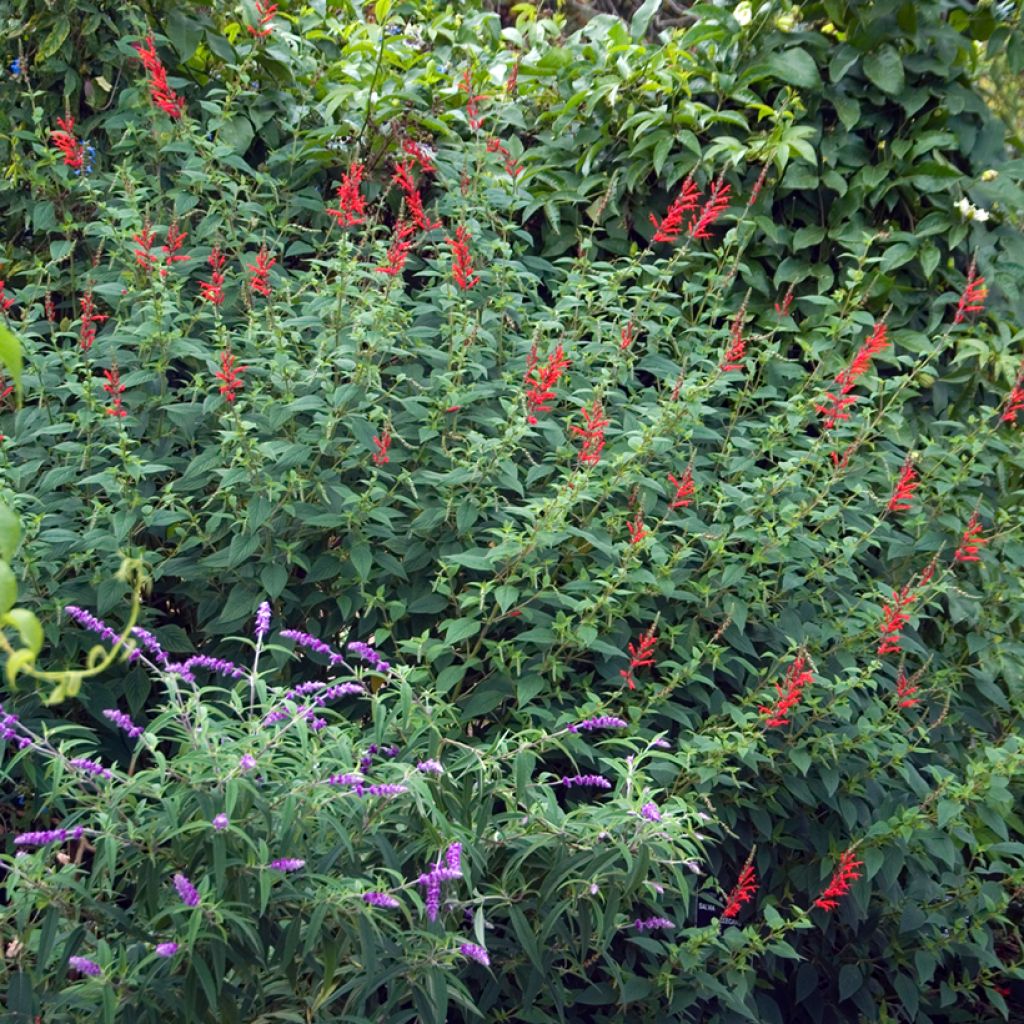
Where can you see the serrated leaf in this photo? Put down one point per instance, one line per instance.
(884, 68)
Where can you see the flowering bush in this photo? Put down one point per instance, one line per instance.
(623, 395)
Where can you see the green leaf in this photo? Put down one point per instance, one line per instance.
(642, 19)
(795, 67)
(909, 992)
(848, 110)
(28, 628)
(362, 560)
(884, 68)
(850, 981)
(55, 39)
(10, 532)
(8, 588)
(10, 356)
(460, 629)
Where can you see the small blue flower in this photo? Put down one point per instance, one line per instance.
(16, 67)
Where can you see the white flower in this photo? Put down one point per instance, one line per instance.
(980, 215)
(971, 212)
(743, 14)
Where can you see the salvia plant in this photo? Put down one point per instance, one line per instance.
(519, 523)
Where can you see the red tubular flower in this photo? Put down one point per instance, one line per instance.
(175, 240)
(413, 201)
(758, 185)
(626, 339)
(540, 381)
(845, 873)
(743, 892)
(421, 153)
(513, 80)
(894, 618)
(637, 530)
(833, 408)
(115, 389)
(462, 262)
(737, 343)
(87, 333)
(144, 256)
(6, 301)
(789, 693)
(671, 226)
(213, 291)
(907, 483)
(382, 443)
(260, 280)
(351, 205)
(160, 92)
(640, 654)
(65, 141)
(905, 690)
(973, 298)
(971, 542)
(715, 205)
(399, 250)
(266, 13)
(1015, 400)
(230, 375)
(684, 489)
(472, 111)
(782, 308)
(511, 165)
(592, 433)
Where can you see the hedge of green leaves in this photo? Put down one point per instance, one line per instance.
(751, 489)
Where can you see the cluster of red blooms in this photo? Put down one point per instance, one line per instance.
(213, 290)
(684, 489)
(115, 389)
(592, 433)
(230, 375)
(640, 655)
(5, 300)
(472, 110)
(626, 338)
(688, 201)
(87, 333)
(971, 542)
(1014, 401)
(160, 92)
(905, 690)
(742, 893)
(894, 613)
(973, 298)
(834, 406)
(512, 165)
(462, 262)
(899, 500)
(175, 240)
(421, 154)
(782, 308)
(398, 251)
(789, 693)
(540, 380)
(351, 205)
(266, 13)
(845, 873)
(144, 256)
(260, 280)
(382, 443)
(413, 200)
(737, 343)
(65, 141)
(637, 529)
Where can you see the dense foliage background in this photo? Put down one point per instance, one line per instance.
(391, 456)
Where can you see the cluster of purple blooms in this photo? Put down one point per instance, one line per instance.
(600, 722)
(646, 924)
(91, 767)
(430, 767)
(8, 732)
(186, 890)
(328, 692)
(597, 781)
(357, 647)
(123, 721)
(287, 864)
(357, 784)
(380, 899)
(366, 761)
(53, 835)
(472, 951)
(262, 621)
(84, 965)
(650, 811)
(431, 880)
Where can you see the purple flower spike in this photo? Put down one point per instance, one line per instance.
(381, 899)
(287, 864)
(92, 767)
(598, 781)
(650, 923)
(344, 779)
(369, 655)
(262, 621)
(433, 897)
(219, 665)
(123, 721)
(186, 890)
(167, 949)
(379, 789)
(85, 965)
(430, 767)
(600, 722)
(247, 763)
(151, 644)
(8, 732)
(311, 643)
(650, 812)
(474, 952)
(56, 835)
(220, 822)
(89, 621)
(453, 857)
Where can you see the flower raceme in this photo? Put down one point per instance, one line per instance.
(684, 488)
(907, 483)
(144, 256)
(512, 166)
(540, 380)
(87, 332)
(266, 14)
(833, 408)
(230, 375)
(641, 654)
(260, 280)
(737, 343)
(790, 693)
(971, 541)
(212, 291)
(115, 389)
(413, 200)
(1014, 401)
(846, 872)
(973, 298)
(905, 690)
(715, 205)
(421, 153)
(637, 530)
(162, 95)
(472, 98)
(382, 443)
(742, 892)
(398, 251)
(894, 618)
(462, 261)
(351, 208)
(72, 149)
(671, 226)
(592, 433)
(175, 240)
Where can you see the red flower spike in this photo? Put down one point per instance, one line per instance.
(737, 343)
(833, 408)
(413, 201)
(422, 154)
(351, 205)
(758, 185)
(115, 389)
(626, 338)
(743, 892)
(6, 301)
(592, 433)
(382, 443)
(399, 250)
(1015, 400)
(790, 692)
(637, 530)
(973, 298)
(175, 240)
(641, 654)
(845, 873)
(971, 542)
(144, 256)
(671, 226)
(266, 13)
(899, 501)
(894, 619)
(70, 147)
(472, 110)
(540, 381)
(260, 280)
(512, 85)
(905, 691)
(715, 205)
(462, 261)
(511, 165)
(87, 332)
(782, 308)
(684, 489)
(162, 95)
(230, 375)
(213, 291)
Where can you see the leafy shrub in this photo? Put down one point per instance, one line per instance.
(727, 488)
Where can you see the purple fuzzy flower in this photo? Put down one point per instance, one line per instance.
(430, 767)
(92, 767)
(650, 812)
(55, 835)
(186, 890)
(8, 732)
(339, 690)
(85, 965)
(432, 879)
(453, 857)
(247, 763)
(344, 779)
(600, 722)
(381, 899)
(369, 655)
(262, 621)
(220, 822)
(474, 952)
(219, 665)
(650, 923)
(598, 781)
(379, 789)
(287, 864)
(89, 621)
(151, 644)
(311, 643)
(661, 744)
(167, 949)
(123, 721)
(276, 716)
